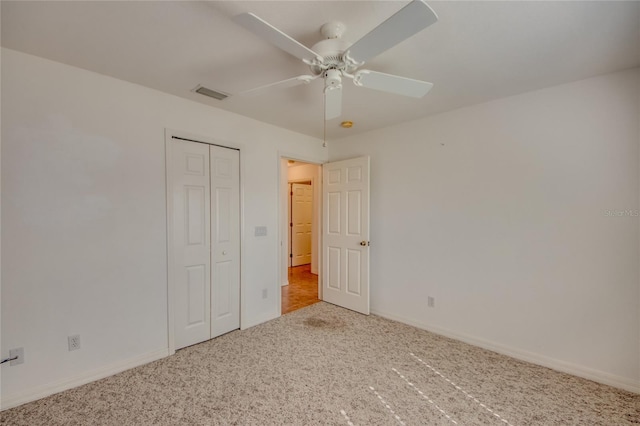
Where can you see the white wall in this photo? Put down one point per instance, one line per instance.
(499, 211)
(84, 220)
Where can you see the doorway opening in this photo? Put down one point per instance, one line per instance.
(300, 245)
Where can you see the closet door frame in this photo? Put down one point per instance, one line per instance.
(170, 135)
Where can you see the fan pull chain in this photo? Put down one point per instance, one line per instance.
(324, 134)
(324, 121)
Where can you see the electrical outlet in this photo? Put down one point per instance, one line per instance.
(74, 342)
(19, 352)
(431, 302)
(265, 293)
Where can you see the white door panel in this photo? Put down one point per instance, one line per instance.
(301, 212)
(346, 234)
(225, 237)
(191, 221)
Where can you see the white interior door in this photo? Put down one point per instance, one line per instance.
(289, 227)
(225, 238)
(205, 245)
(345, 270)
(301, 215)
(191, 242)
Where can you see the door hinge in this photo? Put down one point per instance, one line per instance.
(291, 224)
(290, 254)
(291, 193)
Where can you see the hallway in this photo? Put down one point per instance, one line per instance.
(302, 289)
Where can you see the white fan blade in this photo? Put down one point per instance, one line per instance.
(392, 83)
(408, 21)
(273, 35)
(291, 82)
(332, 102)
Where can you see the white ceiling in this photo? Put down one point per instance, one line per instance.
(478, 51)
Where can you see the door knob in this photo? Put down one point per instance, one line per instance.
(224, 252)
(364, 243)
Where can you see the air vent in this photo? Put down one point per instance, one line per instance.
(210, 93)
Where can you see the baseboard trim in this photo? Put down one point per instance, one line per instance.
(258, 321)
(39, 392)
(555, 364)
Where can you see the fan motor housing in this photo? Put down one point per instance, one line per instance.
(332, 52)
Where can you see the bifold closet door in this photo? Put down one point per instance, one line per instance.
(225, 238)
(206, 241)
(191, 242)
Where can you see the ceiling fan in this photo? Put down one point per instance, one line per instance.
(334, 58)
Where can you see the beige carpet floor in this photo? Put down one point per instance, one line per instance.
(327, 365)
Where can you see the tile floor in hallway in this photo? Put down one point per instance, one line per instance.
(302, 289)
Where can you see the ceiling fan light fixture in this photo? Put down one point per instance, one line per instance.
(333, 79)
(210, 93)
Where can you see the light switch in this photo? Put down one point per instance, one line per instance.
(260, 231)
